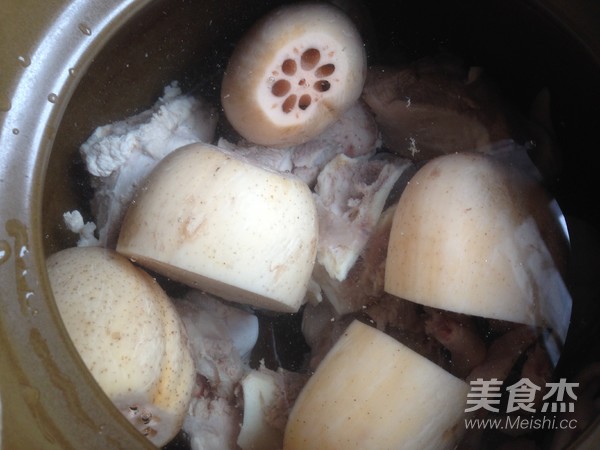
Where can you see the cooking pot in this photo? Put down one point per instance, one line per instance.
(69, 66)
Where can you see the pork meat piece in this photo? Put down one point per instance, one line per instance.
(364, 283)
(120, 155)
(212, 424)
(459, 336)
(435, 106)
(350, 195)
(278, 159)
(222, 337)
(354, 134)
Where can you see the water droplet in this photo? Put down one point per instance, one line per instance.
(25, 61)
(4, 254)
(5, 104)
(15, 131)
(31, 395)
(52, 98)
(72, 71)
(85, 29)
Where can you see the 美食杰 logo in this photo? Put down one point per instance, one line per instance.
(521, 405)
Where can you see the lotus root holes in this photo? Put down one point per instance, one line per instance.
(304, 102)
(322, 85)
(325, 70)
(149, 432)
(310, 58)
(289, 67)
(281, 88)
(288, 104)
(286, 87)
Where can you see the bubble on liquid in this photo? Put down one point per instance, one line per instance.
(5, 104)
(52, 98)
(24, 61)
(85, 29)
(72, 71)
(15, 131)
